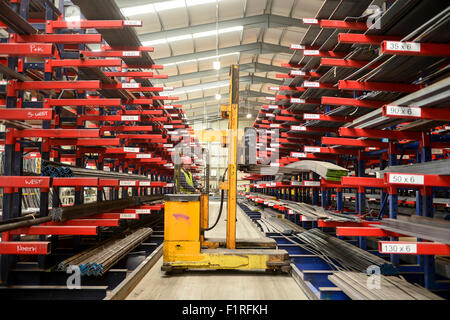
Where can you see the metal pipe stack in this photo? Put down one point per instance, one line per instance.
(350, 257)
(99, 259)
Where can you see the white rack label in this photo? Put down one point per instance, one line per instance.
(275, 145)
(311, 183)
(403, 46)
(274, 125)
(403, 111)
(297, 100)
(311, 84)
(398, 248)
(298, 154)
(144, 183)
(273, 106)
(132, 23)
(406, 178)
(170, 185)
(273, 184)
(127, 216)
(297, 73)
(168, 126)
(270, 115)
(129, 118)
(270, 204)
(270, 98)
(311, 52)
(168, 145)
(131, 85)
(131, 53)
(311, 116)
(296, 183)
(298, 128)
(127, 183)
(168, 107)
(310, 21)
(274, 88)
(128, 149)
(290, 211)
(143, 156)
(143, 211)
(297, 47)
(312, 149)
(303, 218)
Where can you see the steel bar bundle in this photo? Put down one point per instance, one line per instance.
(311, 211)
(83, 210)
(355, 285)
(428, 229)
(99, 259)
(441, 167)
(347, 255)
(51, 166)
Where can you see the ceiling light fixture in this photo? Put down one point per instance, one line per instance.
(163, 6)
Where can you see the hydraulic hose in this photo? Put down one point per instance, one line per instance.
(222, 196)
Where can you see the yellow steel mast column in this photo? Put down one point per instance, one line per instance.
(232, 156)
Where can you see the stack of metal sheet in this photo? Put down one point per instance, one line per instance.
(419, 227)
(358, 286)
(441, 167)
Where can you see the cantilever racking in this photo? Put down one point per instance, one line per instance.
(63, 102)
(365, 97)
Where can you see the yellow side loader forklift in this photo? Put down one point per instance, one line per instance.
(187, 218)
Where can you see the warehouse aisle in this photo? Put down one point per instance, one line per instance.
(218, 285)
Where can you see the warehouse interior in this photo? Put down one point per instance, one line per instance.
(315, 133)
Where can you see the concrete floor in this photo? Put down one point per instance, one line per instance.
(211, 285)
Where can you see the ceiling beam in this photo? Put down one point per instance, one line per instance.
(260, 21)
(248, 67)
(220, 83)
(251, 48)
(242, 94)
